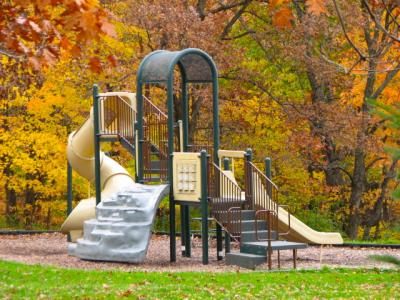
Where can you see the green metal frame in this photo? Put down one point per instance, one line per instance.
(69, 193)
(204, 206)
(169, 80)
(267, 162)
(96, 133)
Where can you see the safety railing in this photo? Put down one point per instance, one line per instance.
(155, 144)
(262, 196)
(117, 118)
(225, 199)
(261, 193)
(202, 140)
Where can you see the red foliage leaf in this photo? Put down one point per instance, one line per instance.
(283, 17)
(316, 7)
(75, 50)
(34, 62)
(108, 29)
(113, 60)
(48, 57)
(95, 65)
(65, 43)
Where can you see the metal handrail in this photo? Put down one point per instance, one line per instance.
(263, 175)
(269, 226)
(153, 106)
(117, 118)
(225, 200)
(235, 229)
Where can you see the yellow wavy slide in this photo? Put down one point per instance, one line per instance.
(80, 154)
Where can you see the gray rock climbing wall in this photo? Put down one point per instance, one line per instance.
(122, 228)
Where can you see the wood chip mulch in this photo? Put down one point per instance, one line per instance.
(51, 249)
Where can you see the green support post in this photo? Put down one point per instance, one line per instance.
(96, 142)
(249, 179)
(172, 231)
(170, 104)
(227, 243)
(219, 242)
(227, 237)
(268, 167)
(188, 251)
(215, 115)
(185, 123)
(226, 164)
(204, 206)
(69, 194)
(183, 235)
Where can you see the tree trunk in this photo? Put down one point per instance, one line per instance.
(11, 206)
(375, 215)
(357, 189)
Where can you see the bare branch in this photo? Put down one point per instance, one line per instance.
(362, 56)
(345, 172)
(227, 7)
(10, 54)
(386, 81)
(374, 161)
(232, 21)
(378, 24)
(238, 36)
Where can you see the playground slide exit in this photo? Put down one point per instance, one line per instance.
(80, 154)
(300, 232)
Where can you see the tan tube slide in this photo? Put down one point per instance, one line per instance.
(300, 232)
(80, 154)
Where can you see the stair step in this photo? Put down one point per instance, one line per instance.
(249, 225)
(245, 260)
(110, 219)
(120, 208)
(106, 233)
(85, 242)
(250, 236)
(260, 248)
(247, 215)
(152, 179)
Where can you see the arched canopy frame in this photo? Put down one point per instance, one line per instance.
(195, 66)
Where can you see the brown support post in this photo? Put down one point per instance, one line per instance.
(279, 259)
(294, 258)
(269, 242)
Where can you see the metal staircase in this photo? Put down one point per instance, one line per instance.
(155, 144)
(250, 218)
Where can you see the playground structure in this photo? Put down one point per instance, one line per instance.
(117, 223)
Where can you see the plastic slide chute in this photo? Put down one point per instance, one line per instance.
(80, 154)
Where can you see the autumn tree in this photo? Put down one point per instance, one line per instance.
(33, 36)
(342, 53)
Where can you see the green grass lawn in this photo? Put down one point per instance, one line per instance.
(19, 281)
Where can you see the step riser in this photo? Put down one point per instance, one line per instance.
(238, 259)
(251, 225)
(251, 249)
(251, 236)
(131, 215)
(124, 200)
(247, 215)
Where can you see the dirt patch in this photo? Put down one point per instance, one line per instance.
(51, 249)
